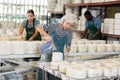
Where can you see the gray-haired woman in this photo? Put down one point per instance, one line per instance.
(61, 34)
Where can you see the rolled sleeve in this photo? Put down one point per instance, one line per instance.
(69, 39)
(50, 28)
(23, 24)
(45, 27)
(37, 23)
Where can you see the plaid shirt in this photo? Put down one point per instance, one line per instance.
(60, 32)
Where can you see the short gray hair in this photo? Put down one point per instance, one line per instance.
(70, 18)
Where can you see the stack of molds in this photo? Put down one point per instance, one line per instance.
(57, 56)
(8, 34)
(83, 45)
(7, 24)
(109, 0)
(3, 24)
(87, 1)
(97, 1)
(76, 11)
(12, 24)
(60, 5)
(78, 1)
(95, 13)
(82, 20)
(68, 10)
(117, 24)
(89, 69)
(20, 47)
(51, 5)
(109, 25)
(76, 35)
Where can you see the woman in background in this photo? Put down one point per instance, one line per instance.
(31, 33)
(29, 25)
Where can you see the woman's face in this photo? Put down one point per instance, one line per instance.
(88, 17)
(30, 17)
(67, 25)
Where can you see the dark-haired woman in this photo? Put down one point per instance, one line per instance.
(29, 25)
(31, 33)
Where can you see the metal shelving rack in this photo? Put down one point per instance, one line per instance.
(104, 34)
(6, 56)
(45, 66)
(17, 70)
(46, 69)
(117, 2)
(95, 55)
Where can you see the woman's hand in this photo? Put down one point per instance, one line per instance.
(20, 37)
(67, 51)
(47, 38)
(90, 38)
(30, 39)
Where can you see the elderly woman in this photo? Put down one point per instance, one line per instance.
(61, 35)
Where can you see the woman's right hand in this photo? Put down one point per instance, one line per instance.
(48, 38)
(20, 37)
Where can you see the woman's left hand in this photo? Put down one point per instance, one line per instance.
(48, 38)
(30, 39)
(67, 51)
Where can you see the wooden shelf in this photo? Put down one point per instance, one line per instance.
(97, 4)
(55, 12)
(106, 35)
(94, 4)
(111, 35)
(78, 31)
(18, 55)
